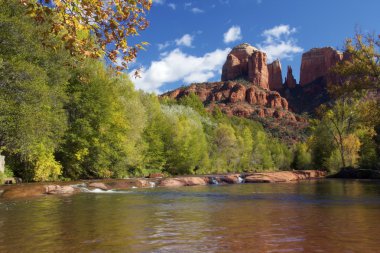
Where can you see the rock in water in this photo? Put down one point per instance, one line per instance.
(58, 189)
(98, 185)
(183, 181)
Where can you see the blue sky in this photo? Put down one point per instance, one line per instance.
(189, 40)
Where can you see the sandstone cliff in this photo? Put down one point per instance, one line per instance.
(246, 62)
(275, 75)
(239, 99)
(317, 62)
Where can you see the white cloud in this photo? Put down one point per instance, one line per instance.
(179, 66)
(162, 46)
(279, 44)
(171, 5)
(233, 34)
(186, 40)
(196, 10)
(278, 31)
(158, 1)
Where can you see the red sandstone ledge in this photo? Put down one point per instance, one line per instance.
(39, 189)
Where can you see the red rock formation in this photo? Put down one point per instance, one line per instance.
(246, 61)
(236, 64)
(317, 62)
(238, 99)
(290, 81)
(258, 70)
(275, 75)
(238, 93)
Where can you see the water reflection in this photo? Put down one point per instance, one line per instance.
(319, 216)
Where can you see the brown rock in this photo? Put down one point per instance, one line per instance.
(23, 191)
(246, 61)
(238, 93)
(261, 113)
(290, 81)
(275, 100)
(284, 176)
(98, 185)
(58, 189)
(142, 183)
(232, 68)
(251, 96)
(183, 181)
(258, 70)
(231, 179)
(317, 62)
(236, 64)
(156, 175)
(275, 75)
(284, 103)
(261, 98)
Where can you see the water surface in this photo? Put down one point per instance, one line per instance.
(315, 216)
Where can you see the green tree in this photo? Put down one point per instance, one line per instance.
(106, 121)
(186, 146)
(340, 121)
(302, 157)
(32, 84)
(262, 157)
(226, 148)
(153, 135)
(359, 76)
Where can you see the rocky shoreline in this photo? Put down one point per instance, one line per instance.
(28, 190)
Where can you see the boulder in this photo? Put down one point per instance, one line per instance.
(98, 185)
(275, 75)
(231, 179)
(142, 183)
(58, 189)
(183, 181)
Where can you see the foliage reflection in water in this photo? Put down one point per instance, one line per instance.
(316, 216)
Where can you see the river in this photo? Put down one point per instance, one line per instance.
(309, 216)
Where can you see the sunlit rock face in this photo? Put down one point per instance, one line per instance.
(317, 63)
(246, 62)
(275, 75)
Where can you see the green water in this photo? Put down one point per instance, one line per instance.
(317, 216)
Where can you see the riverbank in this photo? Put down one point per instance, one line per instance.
(356, 173)
(28, 190)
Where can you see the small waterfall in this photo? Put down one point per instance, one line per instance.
(83, 188)
(213, 180)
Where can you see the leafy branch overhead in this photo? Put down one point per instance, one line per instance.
(361, 71)
(95, 28)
